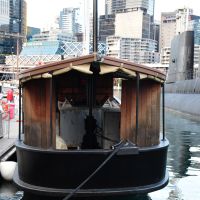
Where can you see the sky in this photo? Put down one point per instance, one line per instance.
(42, 13)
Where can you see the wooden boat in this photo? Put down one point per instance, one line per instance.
(106, 150)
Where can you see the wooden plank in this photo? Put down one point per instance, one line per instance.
(37, 113)
(123, 111)
(32, 113)
(149, 112)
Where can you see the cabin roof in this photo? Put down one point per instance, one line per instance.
(108, 65)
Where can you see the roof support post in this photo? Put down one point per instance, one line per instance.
(51, 110)
(137, 105)
(163, 109)
(20, 110)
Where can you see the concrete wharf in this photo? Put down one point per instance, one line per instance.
(7, 148)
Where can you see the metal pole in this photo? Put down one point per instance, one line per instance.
(137, 105)
(20, 110)
(91, 98)
(163, 109)
(95, 26)
(17, 55)
(51, 109)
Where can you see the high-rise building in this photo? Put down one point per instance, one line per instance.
(69, 20)
(13, 26)
(132, 33)
(108, 7)
(133, 18)
(155, 32)
(4, 27)
(182, 19)
(4, 15)
(106, 26)
(173, 24)
(138, 50)
(139, 29)
(194, 25)
(167, 29)
(167, 33)
(128, 5)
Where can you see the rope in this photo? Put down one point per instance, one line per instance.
(99, 131)
(118, 147)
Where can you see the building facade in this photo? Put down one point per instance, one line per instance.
(13, 26)
(4, 15)
(68, 20)
(176, 23)
(106, 26)
(139, 29)
(128, 18)
(167, 29)
(128, 5)
(138, 50)
(108, 7)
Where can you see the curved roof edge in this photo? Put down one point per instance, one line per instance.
(110, 61)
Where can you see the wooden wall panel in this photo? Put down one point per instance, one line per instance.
(36, 107)
(149, 112)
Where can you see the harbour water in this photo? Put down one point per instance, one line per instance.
(183, 164)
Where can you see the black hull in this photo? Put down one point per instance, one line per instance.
(57, 173)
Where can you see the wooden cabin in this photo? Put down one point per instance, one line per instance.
(46, 88)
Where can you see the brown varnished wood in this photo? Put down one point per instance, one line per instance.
(37, 113)
(149, 112)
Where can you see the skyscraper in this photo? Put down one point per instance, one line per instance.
(12, 22)
(133, 18)
(173, 24)
(128, 5)
(4, 15)
(69, 20)
(132, 24)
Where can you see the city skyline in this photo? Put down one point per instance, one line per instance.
(46, 19)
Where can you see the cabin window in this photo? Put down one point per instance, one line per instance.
(72, 111)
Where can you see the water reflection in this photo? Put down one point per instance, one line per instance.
(183, 159)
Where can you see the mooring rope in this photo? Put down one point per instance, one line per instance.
(117, 148)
